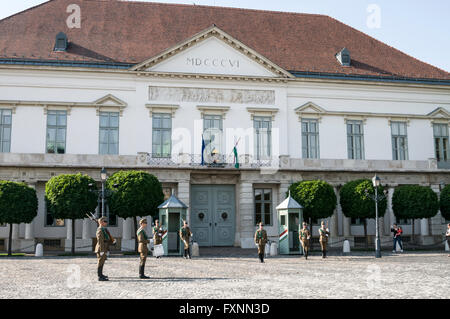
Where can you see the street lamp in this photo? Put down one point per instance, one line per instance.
(103, 176)
(376, 182)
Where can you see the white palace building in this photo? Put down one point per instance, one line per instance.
(86, 84)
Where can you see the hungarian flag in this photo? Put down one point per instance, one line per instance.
(203, 151)
(236, 161)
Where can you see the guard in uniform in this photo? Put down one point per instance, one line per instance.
(157, 234)
(185, 234)
(261, 241)
(305, 236)
(104, 239)
(142, 248)
(323, 239)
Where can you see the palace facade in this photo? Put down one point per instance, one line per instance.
(171, 89)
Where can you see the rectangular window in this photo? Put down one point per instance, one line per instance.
(212, 133)
(161, 135)
(441, 144)
(56, 132)
(357, 221)
(399, 141)
(50, 221)
(5, 130)
(109, 133)
(355, 140)
(403, 221)
(263, 137)
(263, 205)
(310, 138)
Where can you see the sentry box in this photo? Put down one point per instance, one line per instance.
(290, 219)
(171, 215)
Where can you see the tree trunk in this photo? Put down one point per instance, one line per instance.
(135, 236)
(10, 240)
(365, 232)
(73, 237)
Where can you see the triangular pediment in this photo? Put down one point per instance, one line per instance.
(212, 52)
(309, 108)
(110, 100)
(440, 112)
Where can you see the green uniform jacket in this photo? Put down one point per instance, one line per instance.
(142, 240)
(323, 233)
(104, 239)
(157, 235)
(305, 236)
(185, 234)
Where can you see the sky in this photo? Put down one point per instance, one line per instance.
(418, 28)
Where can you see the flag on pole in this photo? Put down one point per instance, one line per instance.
(203, 151)
(236, 161)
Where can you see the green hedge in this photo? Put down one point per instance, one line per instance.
(445, 202)
(414, 201)
(317, 198)
(355, 203)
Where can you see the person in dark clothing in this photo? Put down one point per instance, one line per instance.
(397, 230)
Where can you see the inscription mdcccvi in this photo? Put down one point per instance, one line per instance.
(213, 95)
(213, 62)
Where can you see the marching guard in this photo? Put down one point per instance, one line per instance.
(104, 239)
(185, 234)
(157, 234)
(323, 239)
(260, 241)
(305, 237)
(142, 248)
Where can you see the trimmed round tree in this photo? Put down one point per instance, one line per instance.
(71, 196)
(414, 202)
(445, 202)
(317, 198)
(134, 193)
(18, 204)
(356, 204)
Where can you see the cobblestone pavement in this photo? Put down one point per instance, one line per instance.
(407, 275)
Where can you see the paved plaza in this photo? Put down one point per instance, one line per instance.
(407, 275)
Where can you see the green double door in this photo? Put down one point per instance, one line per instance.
(213, 214)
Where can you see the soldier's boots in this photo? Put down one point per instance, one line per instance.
(141, 273)
(306, 255)
(189, 254)
(261, 257)
(101, 277)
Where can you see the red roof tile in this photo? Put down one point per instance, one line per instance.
(131, 32)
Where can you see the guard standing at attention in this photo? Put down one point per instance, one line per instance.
(261, 241)
(305, 237)
(185, 234)
(142, 248)
(157, 234)
(323, 239)
(104, 239)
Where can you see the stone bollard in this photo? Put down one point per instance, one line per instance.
(195, 250)
(39, 250)
(346, 247)
(274, 249)
(446, 246)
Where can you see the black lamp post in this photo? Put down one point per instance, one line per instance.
(103, 176)
(376, 182)
(377, 198)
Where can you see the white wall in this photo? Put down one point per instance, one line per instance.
(29, 122)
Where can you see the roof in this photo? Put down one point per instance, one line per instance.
(172, 202)
(289, 203)
(131, 32)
